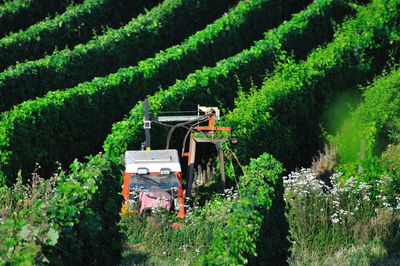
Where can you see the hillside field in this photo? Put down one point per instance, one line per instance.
(310, 89)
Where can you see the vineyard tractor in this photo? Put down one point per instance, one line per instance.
(153, 178)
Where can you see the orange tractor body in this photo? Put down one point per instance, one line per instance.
(152, 178)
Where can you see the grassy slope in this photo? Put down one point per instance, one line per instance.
(372, 253)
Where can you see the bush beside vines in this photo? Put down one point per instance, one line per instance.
(69, 219)
(376, 120)
(236, 240)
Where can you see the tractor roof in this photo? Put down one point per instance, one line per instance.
(153, 160)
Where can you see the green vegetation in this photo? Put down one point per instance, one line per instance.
(164, 246)
(218, 85)
(376, 121)
(236, 238)
(20, 14)
(347, 221)
(356, 217)
(284, 114)
(25, 226)
(84, 114)
(78, 24)
(63, 220)
(283, 92)
(158, 29)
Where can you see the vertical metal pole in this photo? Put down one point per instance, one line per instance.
(208, 171)
(222, 166)
(147, 123)
(191, 159)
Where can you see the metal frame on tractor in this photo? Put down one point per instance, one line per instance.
(196, 133)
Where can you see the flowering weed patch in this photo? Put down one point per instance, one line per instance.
(151, 239)
(323, 219)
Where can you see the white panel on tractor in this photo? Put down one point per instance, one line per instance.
(153, 160)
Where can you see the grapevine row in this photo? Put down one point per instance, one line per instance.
(76, 25)
(20, 14)
(79, 216)
(142, 37)
(218, 85)
(75, 122)
(284, 115)
(250, 223)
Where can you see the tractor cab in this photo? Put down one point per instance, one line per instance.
(152, 179)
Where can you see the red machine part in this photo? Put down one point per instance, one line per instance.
(125, 191)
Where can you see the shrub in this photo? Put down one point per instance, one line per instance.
(73, 223)
(77, 24)
(391, 158)
(236, 238)
(376, 120)
(86, 206)
(25, 227)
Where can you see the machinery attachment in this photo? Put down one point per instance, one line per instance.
(152, 178)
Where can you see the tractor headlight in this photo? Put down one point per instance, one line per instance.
(165, 171)
(142, 171)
